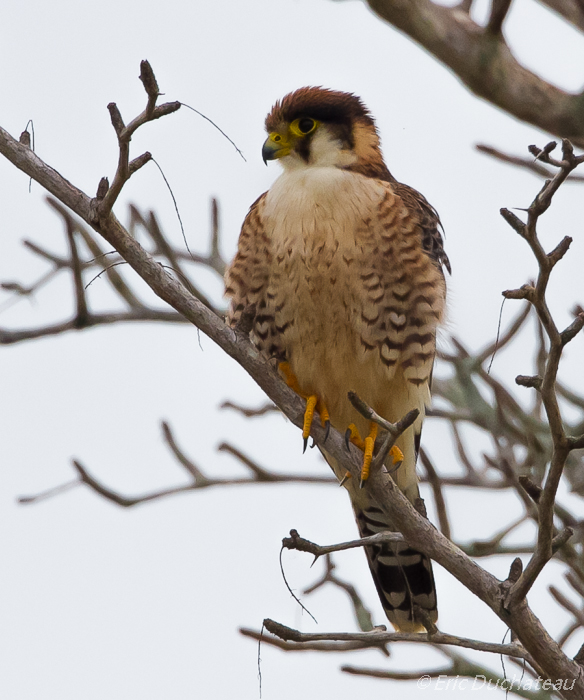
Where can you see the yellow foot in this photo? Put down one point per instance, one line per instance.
(308, 416)
(368, 453)
(312, 403)
(367, 445)
(325, 419)
(397, 456)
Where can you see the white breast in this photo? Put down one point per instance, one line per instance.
(316, 219)
(319, 202)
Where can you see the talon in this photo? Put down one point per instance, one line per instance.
(397, 457)
(368, 453)
(395, 467)
(354, 436)
(396, 454)
(308, 416)
(345, 479)
(312, 403)
(327, 430)
(305, 443)
(324, 414)
(347, 438)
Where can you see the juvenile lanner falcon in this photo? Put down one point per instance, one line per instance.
(343, 265)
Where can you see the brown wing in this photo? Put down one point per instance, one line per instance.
(403, 300)
(403, 286)
(246, 282)
(429, 221)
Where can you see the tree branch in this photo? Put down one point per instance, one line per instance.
(376, 637)
(537, 297)
(302, 545)
(571, 10)
(485, 64)
(530, 164)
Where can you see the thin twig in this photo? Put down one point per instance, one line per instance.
(436, 484)
(528, 163)
(376, 637)
(303, 545)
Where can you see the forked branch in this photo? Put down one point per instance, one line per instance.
(546, 384)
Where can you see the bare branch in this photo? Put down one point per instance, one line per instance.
(394, 430)
(571, 10)
(81, 303)
(114, 277)
(485, 64)
(530, 382)
(436, 484)
(8, 337)
(200, 479)
(49, 493)
(376, 637)
(527, 163)
(461, 671)
(308, 646)
(573, 329)
(302, 545)
(163, 247)
(261, 475)
(499, 10)
(567, 604)
(251, 412)
(574, 627)
(547, 542)
(485, 548)
(124, 133)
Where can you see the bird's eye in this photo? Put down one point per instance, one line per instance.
(306, 125)
(303, 126)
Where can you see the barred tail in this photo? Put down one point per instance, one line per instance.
(403, 576)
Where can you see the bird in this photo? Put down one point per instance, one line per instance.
(342, 270)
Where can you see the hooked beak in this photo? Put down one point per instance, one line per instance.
(275, 146)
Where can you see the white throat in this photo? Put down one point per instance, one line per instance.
(326, 151)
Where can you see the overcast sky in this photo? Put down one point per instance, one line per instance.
(99, 602)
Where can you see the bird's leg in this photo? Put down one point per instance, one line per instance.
(290, 377)
(397, 457)
(312, 403)
(325, 419)
(367, 445)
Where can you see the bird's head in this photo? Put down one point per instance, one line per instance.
(314, 126)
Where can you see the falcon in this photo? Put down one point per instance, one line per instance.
(341, 267)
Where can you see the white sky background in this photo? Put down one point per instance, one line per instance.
(100, 602)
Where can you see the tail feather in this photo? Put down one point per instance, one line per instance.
(402, 575)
